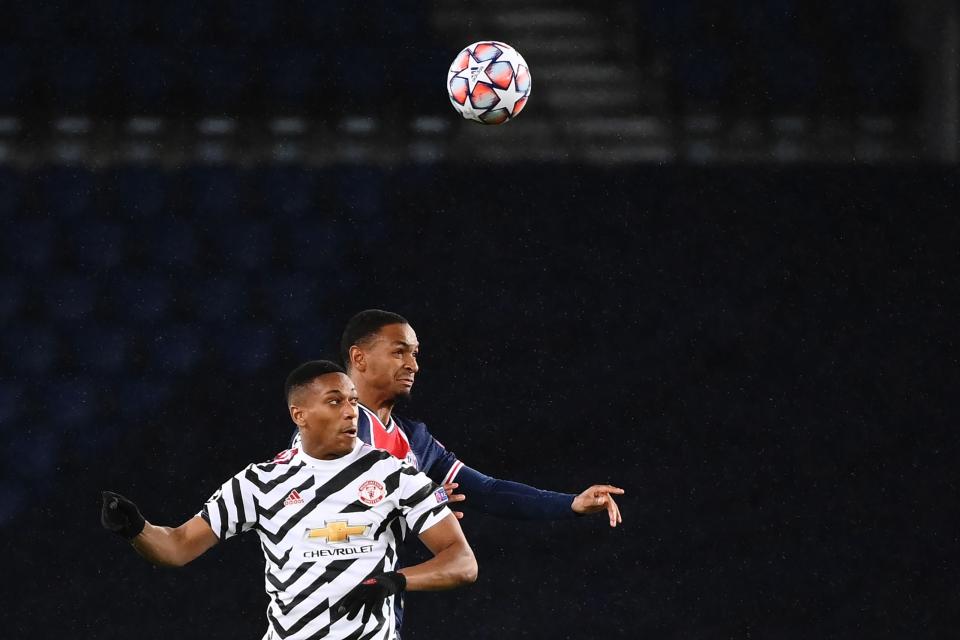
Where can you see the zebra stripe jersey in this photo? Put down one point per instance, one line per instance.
(324, 527)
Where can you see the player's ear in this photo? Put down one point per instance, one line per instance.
(297, 415)
(358, 359)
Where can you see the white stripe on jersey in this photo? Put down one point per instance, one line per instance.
(454, 470)
(324, 527)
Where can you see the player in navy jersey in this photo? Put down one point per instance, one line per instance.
(329, 516)
(379, 350)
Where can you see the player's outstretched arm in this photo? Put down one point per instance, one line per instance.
(167, 546)
(453, 563)
(518, 501)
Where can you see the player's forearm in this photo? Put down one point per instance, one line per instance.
(513, 500)
(165, 546)
(452, 567)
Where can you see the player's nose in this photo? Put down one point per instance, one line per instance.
(410, 362)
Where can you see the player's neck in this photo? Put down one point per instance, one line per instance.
(383, 408)
(379, 403)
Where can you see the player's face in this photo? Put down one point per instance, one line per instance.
(326, 413)
(391, 360)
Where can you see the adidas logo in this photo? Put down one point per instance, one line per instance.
(293, 498)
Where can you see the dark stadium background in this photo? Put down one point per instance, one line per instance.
(713, 262)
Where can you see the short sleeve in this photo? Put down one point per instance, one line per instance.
(231, 509)
(422, 502)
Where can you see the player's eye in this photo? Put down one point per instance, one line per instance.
(354, 401)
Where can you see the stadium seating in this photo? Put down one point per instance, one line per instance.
(69, 298)
(176, 349)
(102, 349)
(30, 349)
(12, 402)
(13, 296)
(141, 297)
(141, 192)
(247, 348)
(96, 243)
(172, 244)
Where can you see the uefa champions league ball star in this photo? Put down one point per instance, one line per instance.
(489, 82)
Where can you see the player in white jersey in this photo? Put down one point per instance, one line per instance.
(328, 516)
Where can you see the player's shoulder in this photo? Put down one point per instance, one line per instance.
(411, 426)
(378, 455)
(286, 456)
(416, 431)
(281, 462)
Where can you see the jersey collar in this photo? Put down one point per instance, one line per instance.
(375, 419)
(336, 463)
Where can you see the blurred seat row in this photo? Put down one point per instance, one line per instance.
(97, 351)
(212, 193)
(784, 55)
(216, 79)
(214, 21)
(119, 57)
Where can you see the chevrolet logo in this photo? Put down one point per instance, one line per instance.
(338, 531)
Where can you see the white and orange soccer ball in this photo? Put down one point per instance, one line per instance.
(489, 82)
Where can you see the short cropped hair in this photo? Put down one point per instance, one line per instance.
(307, 373)
(362, 327)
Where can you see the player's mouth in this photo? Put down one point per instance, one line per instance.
(406, 381)
(350, 432)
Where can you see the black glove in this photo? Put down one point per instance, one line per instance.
(121, 516)
(371, 593)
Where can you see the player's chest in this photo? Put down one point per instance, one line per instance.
(319, 525)
(394, 441)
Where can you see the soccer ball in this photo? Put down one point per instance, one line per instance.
(489, 82)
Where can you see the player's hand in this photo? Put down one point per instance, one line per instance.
(370, 594)
(454, 497)
(598, 498)
(121, 516)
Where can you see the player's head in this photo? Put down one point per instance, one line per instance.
(380, 350)
(322, 401)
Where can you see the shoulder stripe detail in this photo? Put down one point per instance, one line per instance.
(422, 519)
(224, 521)
(238, 500)
(396, 513)
(267, 486)
(421, 494)
(452, 473)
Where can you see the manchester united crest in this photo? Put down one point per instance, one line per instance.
(372, 492)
